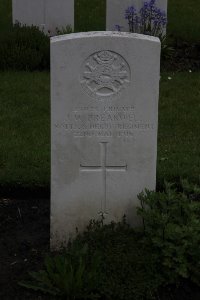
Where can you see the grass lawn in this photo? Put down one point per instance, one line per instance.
(179, 127)
(25, 129)
(24, 121)
(183, 17)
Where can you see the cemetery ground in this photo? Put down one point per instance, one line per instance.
(25, 165)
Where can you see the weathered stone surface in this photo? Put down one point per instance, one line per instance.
(115, 11)
(59, 13)
(46, 14)
(104, 102)
(29, 12)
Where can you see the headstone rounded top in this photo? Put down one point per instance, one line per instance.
(101, 34)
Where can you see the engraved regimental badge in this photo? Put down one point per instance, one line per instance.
(104, 75)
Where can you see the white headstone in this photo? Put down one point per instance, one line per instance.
(46, 14)
(104, 102)
(59, 13)
(29, 12)
(115, 11)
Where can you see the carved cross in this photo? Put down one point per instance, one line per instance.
(104, 168)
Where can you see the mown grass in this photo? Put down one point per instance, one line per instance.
(179, 127)
(183, 17)
(25, 111)
(25, 129)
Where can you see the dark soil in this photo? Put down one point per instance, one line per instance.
(24, 241)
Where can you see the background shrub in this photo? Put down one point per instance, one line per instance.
(24, 48)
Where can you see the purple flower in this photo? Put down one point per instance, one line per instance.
(130, 12)
(150, 19)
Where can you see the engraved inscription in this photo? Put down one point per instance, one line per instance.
(107, 121)
(104, 75)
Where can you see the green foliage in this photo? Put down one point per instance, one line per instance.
(71, 275)
(113, 265)
(24, 48)
(115, 261)
(166, 50)
(128, 270)
(171, 222)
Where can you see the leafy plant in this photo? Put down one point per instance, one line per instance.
(171, 222)
(24, 48)
(128, 270)
(115, 261)
(71, 275)
(167, 51)
(63, 30)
